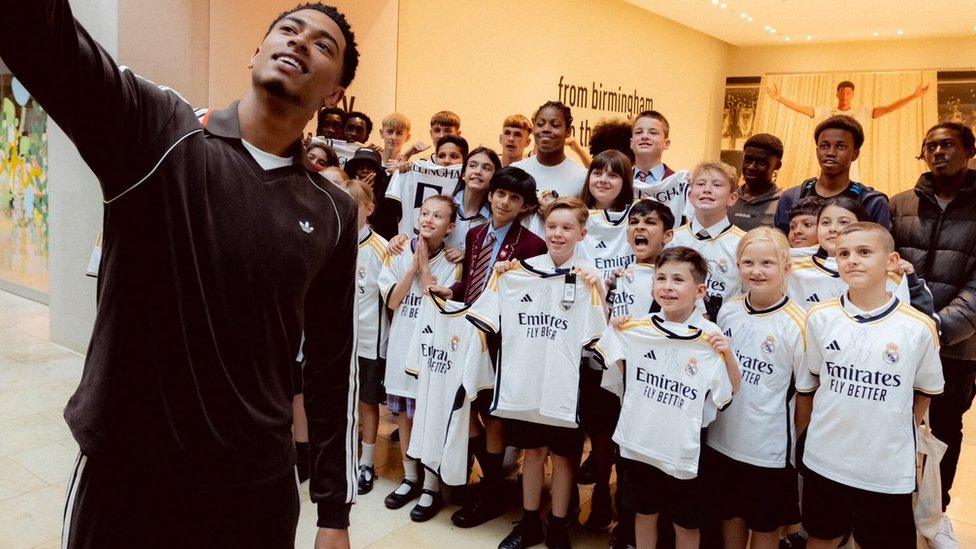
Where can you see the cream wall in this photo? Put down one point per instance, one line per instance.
(497, 58)
(238, 26)
(883, 55)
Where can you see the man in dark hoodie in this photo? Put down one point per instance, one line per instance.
(933, 225)
(762, 155)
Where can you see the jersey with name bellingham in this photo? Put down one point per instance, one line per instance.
(545, 316)
(718, 249)
(373, 326)
(768, 344)
(670, 372)
(606, 246)
(404, 317)
(672, 191)
(424, 180)
(870, 364)
(814, 279)
(449, 357)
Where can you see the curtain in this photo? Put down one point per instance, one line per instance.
(892, 142)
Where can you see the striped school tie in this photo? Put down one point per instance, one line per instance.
(479, 270)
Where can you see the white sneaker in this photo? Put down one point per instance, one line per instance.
(945, 538)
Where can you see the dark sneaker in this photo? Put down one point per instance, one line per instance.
(486, 505)
(557, 533)
(525, 534)
(396, 501)
(421, 513)
(365, 482)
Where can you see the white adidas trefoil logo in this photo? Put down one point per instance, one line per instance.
(306, 226)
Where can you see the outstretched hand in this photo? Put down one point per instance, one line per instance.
(921, 89)
(773, 92)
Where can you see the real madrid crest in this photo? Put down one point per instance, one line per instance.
(455, 342)
(629, 276)
(769, 345)
(890, 354)
(361, 272)
(692, 367)
(723, 265)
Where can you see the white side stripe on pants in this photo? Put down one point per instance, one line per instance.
(71, 495)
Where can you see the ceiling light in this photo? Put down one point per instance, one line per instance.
(743, 15)
(899, 32)
(750, 19)
(766, 27)
(809, 37)
(787, 39)
(724, 5)
(772, 31)
(714, 2)
(875, 33)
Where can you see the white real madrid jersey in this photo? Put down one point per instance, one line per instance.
(343, 149)
(551, 182)
(449, 358)
(425, 179)
(373, 327)
(672, 190)
(606, 246)
(768, 344)
(633, 294)
(545, 316)
(670, 372)
(814, 279)
(404, 317)
(866, 367)
(718, 249)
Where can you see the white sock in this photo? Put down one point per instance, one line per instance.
(367, 456)
(409, 473)
(430, 483)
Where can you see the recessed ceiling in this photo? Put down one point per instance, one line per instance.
(767, 22)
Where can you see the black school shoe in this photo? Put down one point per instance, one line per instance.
(396, 501)
(365, 481)
(421, 513)
(527, 532)
(487, 504)
(601, 510)
(557, 533)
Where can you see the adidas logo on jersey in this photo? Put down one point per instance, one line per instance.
(728, 333)
(833, 346)
(814, 298)
(526, 299)
(306, 226)
(650, 355)
(601, 245)
(427, 329)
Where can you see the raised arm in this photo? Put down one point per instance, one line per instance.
(113, 117)
(330, 378)
(773, 92)
(885, 109)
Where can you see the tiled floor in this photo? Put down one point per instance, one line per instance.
(37, 452)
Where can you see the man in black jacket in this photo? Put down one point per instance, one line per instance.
(934, 226)
(219, 249)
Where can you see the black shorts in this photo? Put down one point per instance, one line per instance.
(125, 505)
(832, 510)
(649, 491)
(599, 409)
(562, 441)
(296, 377)
(765, 498)
(371, 374)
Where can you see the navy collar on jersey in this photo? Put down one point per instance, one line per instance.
(862, 316)
(821, 263)
(430, 256)
(444, 307)
(364, 234)
(661, 325)
(714, 231)
(544, 273)
(484, 211)
(753, 311)
(623, 216)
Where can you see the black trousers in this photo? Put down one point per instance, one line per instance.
(112, 506)
(945, 415)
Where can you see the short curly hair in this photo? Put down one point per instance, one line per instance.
(350, 57)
